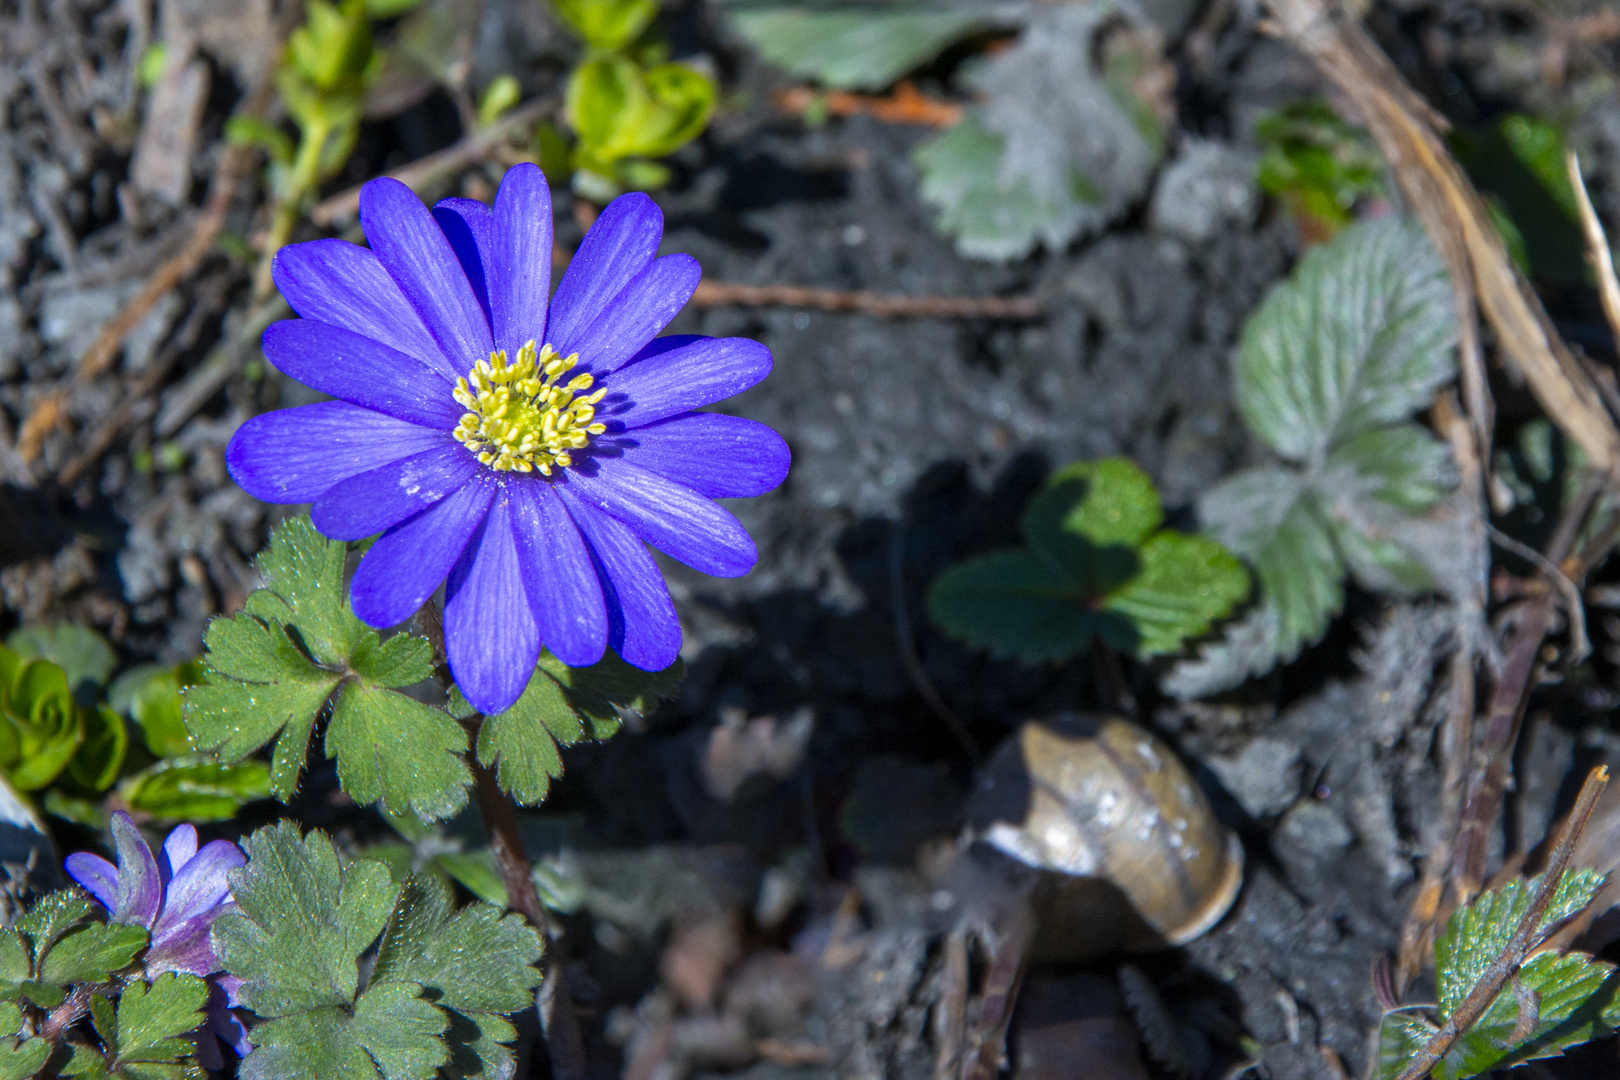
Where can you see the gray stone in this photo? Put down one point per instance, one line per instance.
(1313, 827)
(1208, 188)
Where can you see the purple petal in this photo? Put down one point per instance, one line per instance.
(672, 518)
(186, 946)
(417, 256)
(224, 1023)
(469, 225)
(367, 503)
(295, 455)
(490, 636)
(343, 284)
(405, 565)
(563, 588)
(637, 314)
(98, 876)
(199, 886)
(711, 453)
(362, 372)
(683, 379)
(660, 346)
(642, 626)
(178, 848)
(140, 889)
(618, 246)
(521, 258)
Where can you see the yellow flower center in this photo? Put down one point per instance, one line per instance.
(522, 416)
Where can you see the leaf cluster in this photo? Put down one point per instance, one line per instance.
(1557, 999)
(1329, 370)
(436, 997)
(625, 105)
(55, 959)
(1095, 565)
(1317, 164)
(297, 652)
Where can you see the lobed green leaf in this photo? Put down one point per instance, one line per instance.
(399, 752)
(91, 954)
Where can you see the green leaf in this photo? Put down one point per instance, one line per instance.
(91, 954)
(16, 962)
(260, 687)
(391, 1033)
(155, 704)
(501, 94)
(990, 215)
(303, 577)
(81, 652)
(303, 922)
(255, 131)
(1017, 605)
(1403, 465)
(101, 754)
(43, 724)
(402, 660)
(21, 1061)
(1185, 584)
(607, 24)
(1400, 1036)
(853, 48)
(473, 960)
(1360, 336)
(395, 750)
(1120, 505)
(152, 1017)
(558, 707)
(49, 918)
(196, 788)
(1314, 161)
(621, 111)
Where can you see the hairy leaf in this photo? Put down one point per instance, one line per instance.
(196, 788)
(50, 918)
(303, 578)
(1184, 585)
(91, 954)
(1017, 605)
(852, 48)
(303, 922)
(153, 1017)
(19, 1061)
(394, 750)
(390, 1033)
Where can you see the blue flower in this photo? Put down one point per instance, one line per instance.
(527, 451)
(176, 895)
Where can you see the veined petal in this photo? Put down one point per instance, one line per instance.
(417, 256)
(469, 225)
(366, 504)
(490, 635)
(178, 848)
(683, 379)
(185, 946)
(362, 372)
(642, 625)
(621, 242)
(140, 888)
(521, 258)
(564, 592)
(406, 564)
(343, 284)
(713, 454)
(295, 455)
(199, 886)
(647, 304)
(671, 517)
(98, 876)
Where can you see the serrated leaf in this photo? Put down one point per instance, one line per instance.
(1017, 605)
(1120, 504)
(473, 960)
(559, 707)
(303, 922)
(19, 1062)
(49, 918)
(1571, 999)
(1360, 336)
(400, 661)
(1402, 465)
(394, 750)
(260, 687)
(391, 1033)
(1477, 934)
(91, 954)
(1400, 1036)
(303, 576)
(196, 788)
(1185, 584)
(152, 1017)
(853, 48)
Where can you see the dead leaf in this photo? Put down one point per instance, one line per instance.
(739, 749)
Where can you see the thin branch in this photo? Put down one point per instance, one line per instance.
(1010, 308)
(428, 172)
(1597, 246)
(1526, 936)
(1580, 646)
(908, 646)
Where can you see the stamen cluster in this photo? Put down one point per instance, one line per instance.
(521, 415)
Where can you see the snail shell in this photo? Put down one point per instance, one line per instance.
(1112, 811)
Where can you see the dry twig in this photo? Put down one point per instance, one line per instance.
(1597, 245)
(904, 106)
(1525, 937)
(1407, 130)
(426, 173)
(1012, 308)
